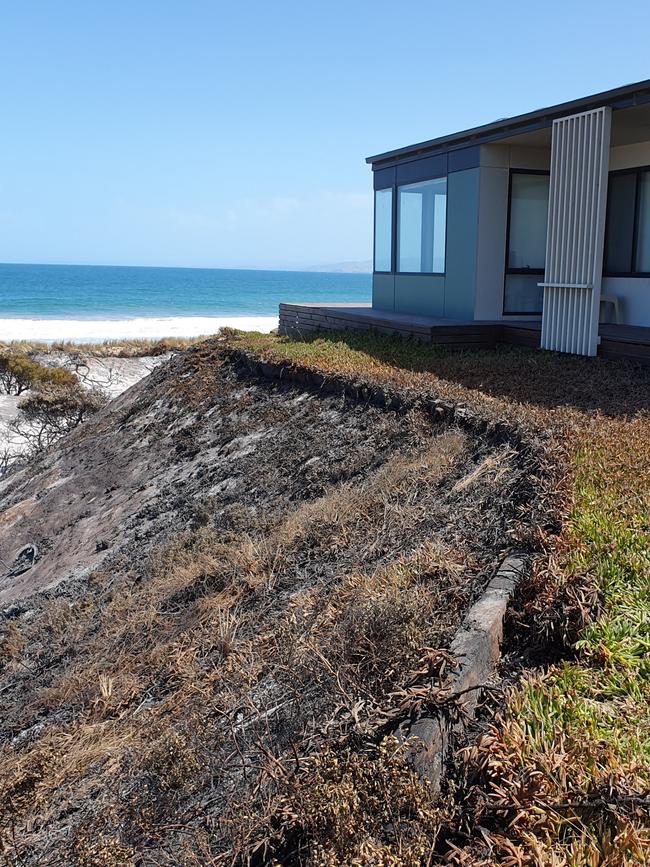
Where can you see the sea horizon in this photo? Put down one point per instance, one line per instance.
(110, 302)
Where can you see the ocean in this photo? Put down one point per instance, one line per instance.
(96, 302)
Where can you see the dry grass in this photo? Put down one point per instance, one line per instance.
(170, 704)
(564, 777)
(228, 699)
(360, 808)
(106, 348)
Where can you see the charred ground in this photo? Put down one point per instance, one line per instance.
(239, 583)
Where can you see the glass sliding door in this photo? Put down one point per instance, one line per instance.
(627, 233)
(642, 245)
(526, 250)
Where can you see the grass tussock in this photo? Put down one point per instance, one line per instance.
(360, 808)
(107, 348)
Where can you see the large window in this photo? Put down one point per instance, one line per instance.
(383, 230)
(526, 248)
(421, 227)
(627, 235)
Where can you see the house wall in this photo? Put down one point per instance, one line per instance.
(491, 254)
(462, 244)
(421, 294)
(496, 162)
(451, 294)
(383, 291)
(629, 156)
(515, 157)
(477, 216)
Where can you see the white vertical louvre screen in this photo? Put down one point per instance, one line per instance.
(576, 230)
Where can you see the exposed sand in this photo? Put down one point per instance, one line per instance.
(111, 375)
(8, 411)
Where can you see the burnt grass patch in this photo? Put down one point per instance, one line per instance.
(219, 689)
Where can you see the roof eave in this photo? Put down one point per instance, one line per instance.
(620, 97)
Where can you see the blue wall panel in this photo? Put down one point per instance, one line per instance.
(465, 158)
(423, 294)
(383, 291)
(462, 243)
(422, 170)
(451, 295)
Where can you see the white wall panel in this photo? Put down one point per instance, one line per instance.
(576, 229)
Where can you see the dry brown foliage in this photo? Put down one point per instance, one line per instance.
(563, 777)
(175, 707)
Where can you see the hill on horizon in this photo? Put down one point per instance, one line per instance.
(362, 267)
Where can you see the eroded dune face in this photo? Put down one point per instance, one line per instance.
(182, 435)
(229, 572)
(71, 503)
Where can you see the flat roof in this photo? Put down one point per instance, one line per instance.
(620, 97)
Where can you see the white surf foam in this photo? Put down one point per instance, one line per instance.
(91, 330)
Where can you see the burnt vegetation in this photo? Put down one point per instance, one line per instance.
(225, 685)
(559, 769)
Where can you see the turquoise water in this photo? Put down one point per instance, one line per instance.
(119, 292)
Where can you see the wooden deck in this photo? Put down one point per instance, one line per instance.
(616, 341)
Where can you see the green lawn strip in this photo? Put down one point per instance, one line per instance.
(611, 529)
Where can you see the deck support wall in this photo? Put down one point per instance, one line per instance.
(303, 320)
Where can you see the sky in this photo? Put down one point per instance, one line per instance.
(234, 134)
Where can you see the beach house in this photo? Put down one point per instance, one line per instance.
(533, 229)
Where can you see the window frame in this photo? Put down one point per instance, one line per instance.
(507, 269)
(443, 273)
(390, 187)
(637, 171)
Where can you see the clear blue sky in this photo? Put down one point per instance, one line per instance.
(187, 132)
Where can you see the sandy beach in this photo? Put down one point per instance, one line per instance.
(154, 328)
